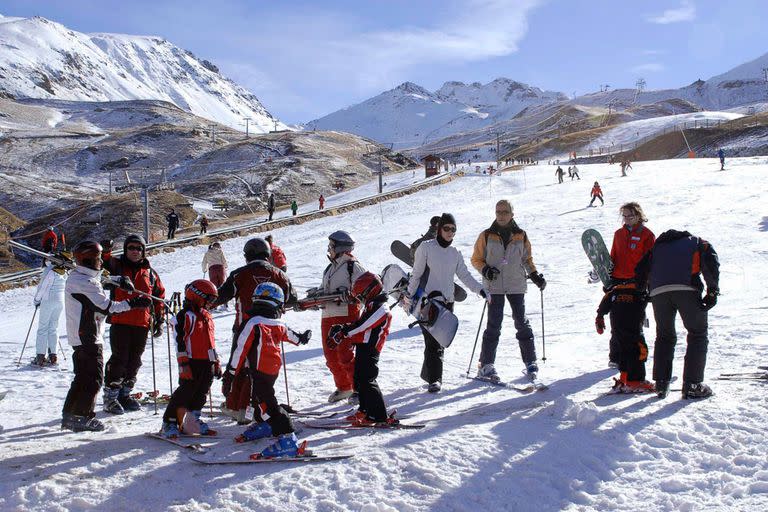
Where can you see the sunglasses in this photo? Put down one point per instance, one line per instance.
(134, 248)
(449, 229)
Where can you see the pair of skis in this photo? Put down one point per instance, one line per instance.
(535, 383)
(757, 375)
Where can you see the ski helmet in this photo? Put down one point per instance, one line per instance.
(367, 287)
(135, 238)
(268, 294)
(341, 241)
(201, 292)
(256, 249)
(88, 254)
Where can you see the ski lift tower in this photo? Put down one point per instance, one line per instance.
(639, 87)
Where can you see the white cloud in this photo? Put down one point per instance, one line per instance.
(651, 67)
(686, 12)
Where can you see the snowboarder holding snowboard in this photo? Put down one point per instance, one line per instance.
(368, 333)
(672, 272)
(257, 351)
(502, 254)
(429, 235)
(444, 262)
(86, 305)
(193, 330)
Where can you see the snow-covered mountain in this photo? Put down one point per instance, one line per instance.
(44, 59)
(410, 116)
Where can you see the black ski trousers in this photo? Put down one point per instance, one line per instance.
(493, 328)
(191, 393)
(366, 372)
(432, 368)
(665, 308)
(627, 315)
(88, 366)
(265, 403)
(127, 343)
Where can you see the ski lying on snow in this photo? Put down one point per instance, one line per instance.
(195, 447)
(744, 376)
(346, 425)
(308, 456)
(527, 388)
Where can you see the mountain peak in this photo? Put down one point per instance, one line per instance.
(412, 88)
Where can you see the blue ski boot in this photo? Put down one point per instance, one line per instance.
(205, 430)
(170, 430)
(255, 431)
(287, 445)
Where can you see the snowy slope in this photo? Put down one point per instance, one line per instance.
(44, 59)
(410, 116)
(483, 448)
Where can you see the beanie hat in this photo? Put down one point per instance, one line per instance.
(434, 220)
(446, 218)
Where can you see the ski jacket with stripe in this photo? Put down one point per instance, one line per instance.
(242, 281)
(372, 326)
(258, 345)
(444, 263)
(194, 334)
(341, 273)
(144, 279)
(86, 306)
(513, 259)
(629, 247)
(677, 261)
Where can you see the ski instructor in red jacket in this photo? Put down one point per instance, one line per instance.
(128, 331)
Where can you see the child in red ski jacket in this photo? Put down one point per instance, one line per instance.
(198, 362)
(258, 350)
(368, 334)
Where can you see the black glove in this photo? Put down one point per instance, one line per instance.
(600, 324)
(490, 273)
(538, 280)
(345, 295)
(304, 337)
(336, 335)
(226, 382)
(709, 300)
(157, 330)
(139, 302)
(217, 369)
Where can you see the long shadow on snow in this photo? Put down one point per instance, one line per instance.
(563, 466)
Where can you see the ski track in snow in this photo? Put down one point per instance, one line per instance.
(483, 447)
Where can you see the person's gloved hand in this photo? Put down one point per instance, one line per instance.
(709, 300)
(490, 273)
(304, 337)
(157, 329)
(538, 280)
(485, 294)
(600, 324)
(336, 335)
(217, 369)
(185, 372)
(139, 302)
(36, 303)
(226, 382)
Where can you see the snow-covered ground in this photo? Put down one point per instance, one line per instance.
(483, 448)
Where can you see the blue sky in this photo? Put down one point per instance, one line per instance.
(305, 59)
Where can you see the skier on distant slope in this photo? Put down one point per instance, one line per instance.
(559, 173)
(721, 156)
(173, 223)
(597, 193)
(257, 351)
(444, 262)
(502, 254)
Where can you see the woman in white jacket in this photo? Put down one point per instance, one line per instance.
(441, 262)
(49, 297)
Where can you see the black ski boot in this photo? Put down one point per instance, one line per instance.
(81, 423)
(111, 403)
(695, 390)
(128, 403)
(662, 388)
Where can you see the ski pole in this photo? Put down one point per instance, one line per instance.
(61, 349)
(479, 325)
(27, 338)
(285, 374)
(152, 341)
(168, 335)
(543, 340)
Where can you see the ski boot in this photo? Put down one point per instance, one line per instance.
(53, 360)
(339, 395)
(354, 398)
(434, 387)
(256, 430)
(127, 401)
(488, 372)
(694, 390)
(111, 402)
(355, 417)
(39, 360)
(287, 445)
(638, 386)
(170, 430)
(662, 388)
(532, 369)
(205, 430)
(81, 423)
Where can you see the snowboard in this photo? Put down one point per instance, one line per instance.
(402, 252)
(598, 254)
